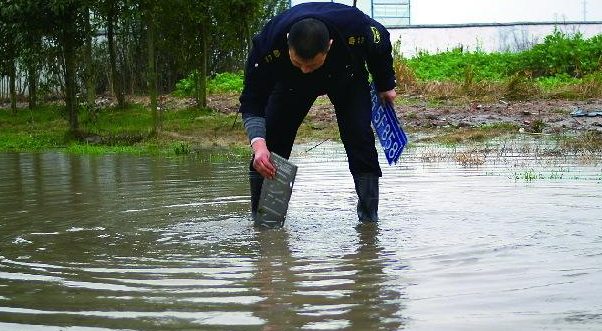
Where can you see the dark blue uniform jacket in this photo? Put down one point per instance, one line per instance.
(357, 40)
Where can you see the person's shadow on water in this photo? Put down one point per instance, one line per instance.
(275, 280)
(377, 306)
(370, 302)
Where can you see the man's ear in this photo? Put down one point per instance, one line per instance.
(329, 45)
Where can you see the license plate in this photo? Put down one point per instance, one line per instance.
(390, 133)
(276, 193)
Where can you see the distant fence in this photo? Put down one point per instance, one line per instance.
(486, 37)
(20, 86)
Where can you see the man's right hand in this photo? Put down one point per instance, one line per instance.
(261, 159)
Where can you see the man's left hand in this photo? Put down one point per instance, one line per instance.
(387, 96)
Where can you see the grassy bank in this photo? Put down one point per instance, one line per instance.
(199, 131)
(112, 130)
(187, 130)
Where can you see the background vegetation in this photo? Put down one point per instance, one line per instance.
(562, 66)
(77, 49)
(74, 53)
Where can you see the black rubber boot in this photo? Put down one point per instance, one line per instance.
(366, 186)
(255, 181)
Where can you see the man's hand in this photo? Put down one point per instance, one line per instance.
(387, 96)
(261, 160)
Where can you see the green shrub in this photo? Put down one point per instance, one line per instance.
(557, 81)
(563, 54)
(186, 87)
(455, 64)
(226, 82)
(220, 83)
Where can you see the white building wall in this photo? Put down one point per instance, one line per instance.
(488, 38)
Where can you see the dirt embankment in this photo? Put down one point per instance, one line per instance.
(547, 116)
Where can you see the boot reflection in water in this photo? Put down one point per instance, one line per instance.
(275, 280)
(255, 181)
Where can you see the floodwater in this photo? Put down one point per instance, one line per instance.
(138, 243)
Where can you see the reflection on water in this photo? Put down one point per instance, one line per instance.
(136, 243)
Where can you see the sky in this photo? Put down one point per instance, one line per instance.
(502, 11)
(492, 11)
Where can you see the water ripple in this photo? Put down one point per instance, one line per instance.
(136, 243)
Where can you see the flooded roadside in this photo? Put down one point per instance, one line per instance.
(477, 238)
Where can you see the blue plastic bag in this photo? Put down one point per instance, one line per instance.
(389, 131)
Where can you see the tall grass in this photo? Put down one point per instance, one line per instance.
(563, 66)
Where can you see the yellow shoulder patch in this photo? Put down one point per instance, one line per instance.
(273, 55)
(358, 40)
(375, 34)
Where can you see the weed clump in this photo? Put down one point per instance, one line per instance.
(469, 158)
(589, 142)
(181, 148)
(405, 77)
(538, 126)
(520, 87)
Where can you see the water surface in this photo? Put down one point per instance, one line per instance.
(138, 243)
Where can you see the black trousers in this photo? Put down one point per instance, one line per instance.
(288, 106)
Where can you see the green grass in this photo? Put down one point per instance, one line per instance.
(552, 83)
(29, 141)
(562, 59)
(88, 149)
(220, 83)
(455, 65)
(32, 130)
(112, 130)
(528, 175)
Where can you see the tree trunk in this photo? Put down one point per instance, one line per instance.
(201, 95)
(116, 79)
(12, 77)
(32, 70)
(89, 66)
(152, 75)
(32, 78)
(70, 102)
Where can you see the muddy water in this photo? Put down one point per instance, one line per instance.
(136, 243)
